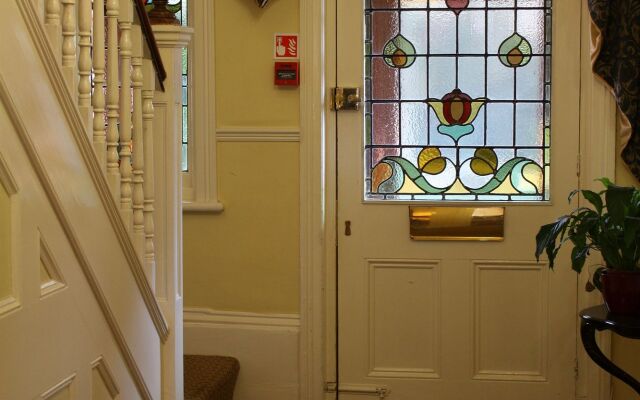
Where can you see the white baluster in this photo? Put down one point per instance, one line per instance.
(138, 142)
(69, 41)
(126, 15)
(52, 24)
(84, 63)
(52, 12)
(148, 89)
(97, 99)
(113, 171)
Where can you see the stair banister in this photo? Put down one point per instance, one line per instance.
(113, 97)
(126, 170)
(84, 63)
(98, 94)
(111, 58)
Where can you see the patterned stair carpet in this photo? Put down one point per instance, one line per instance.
(210, 377)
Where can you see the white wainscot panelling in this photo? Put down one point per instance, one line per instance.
(266, 345)
(51, 279)
(8, 189)
(511, 301)
(62, 391)
(404, 318)
(103, 384)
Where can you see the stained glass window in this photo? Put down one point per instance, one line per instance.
(183, 17)
(457, 100)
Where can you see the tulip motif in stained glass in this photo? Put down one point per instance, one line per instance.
(457, 5)
(456, 113)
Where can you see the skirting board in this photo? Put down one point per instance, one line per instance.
(265, 344)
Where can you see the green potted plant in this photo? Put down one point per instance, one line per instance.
(611, 226)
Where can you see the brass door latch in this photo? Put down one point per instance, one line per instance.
(345, 99)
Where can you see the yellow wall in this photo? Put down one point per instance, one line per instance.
(246, 259)
(245, 93)
(626, 352)
(5, 244)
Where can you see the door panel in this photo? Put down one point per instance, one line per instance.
(403, 344)
(454, 320)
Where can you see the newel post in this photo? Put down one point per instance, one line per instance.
(167, 125)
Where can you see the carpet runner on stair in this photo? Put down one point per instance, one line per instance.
(210, 377)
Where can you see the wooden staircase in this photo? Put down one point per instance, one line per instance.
(93, 172)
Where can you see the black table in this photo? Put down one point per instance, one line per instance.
(598, 319)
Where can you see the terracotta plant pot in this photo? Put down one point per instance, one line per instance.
(621, 291)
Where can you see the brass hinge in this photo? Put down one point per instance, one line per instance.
(345, 98)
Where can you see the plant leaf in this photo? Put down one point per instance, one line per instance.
(572, 194)
(546, 238)
(631, 232)
(605, 181)
(542, 239)
(595, 199)
(578, 257)
(618, 199)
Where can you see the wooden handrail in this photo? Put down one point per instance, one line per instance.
(147, 31)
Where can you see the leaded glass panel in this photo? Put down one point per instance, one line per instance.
(183, 17)
(457, 100)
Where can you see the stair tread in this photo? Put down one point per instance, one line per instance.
(209, 377)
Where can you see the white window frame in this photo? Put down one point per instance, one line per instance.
(199, 183)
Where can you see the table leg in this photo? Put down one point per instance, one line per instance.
(588, 334)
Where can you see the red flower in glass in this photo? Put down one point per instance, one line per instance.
(457, 5)
(456, 113)
(457, 108)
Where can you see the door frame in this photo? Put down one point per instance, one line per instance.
(318, 208)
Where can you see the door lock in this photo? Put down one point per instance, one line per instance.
(345, 98)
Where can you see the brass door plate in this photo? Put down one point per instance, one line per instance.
(456, 223)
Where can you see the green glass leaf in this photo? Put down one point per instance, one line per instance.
(515, 51)
(399, 52)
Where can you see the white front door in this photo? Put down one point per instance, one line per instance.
(456, 112)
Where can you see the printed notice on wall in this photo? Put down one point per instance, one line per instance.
(285, 46)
